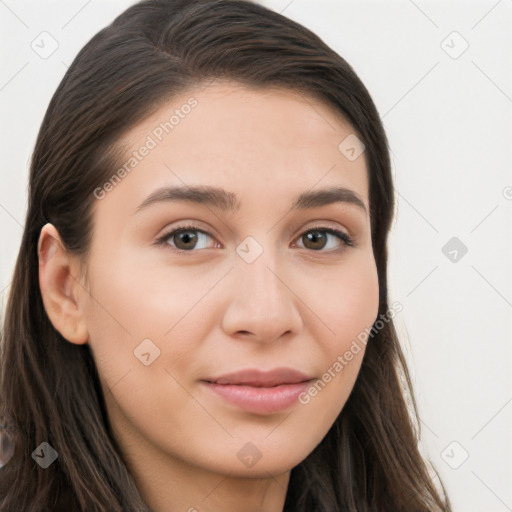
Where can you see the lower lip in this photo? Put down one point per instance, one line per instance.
(258, 399)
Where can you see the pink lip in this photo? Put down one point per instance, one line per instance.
(260, 378)
(261, 392)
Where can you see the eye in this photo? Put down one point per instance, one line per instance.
(184, 238)
(187, 238)
(317, 238)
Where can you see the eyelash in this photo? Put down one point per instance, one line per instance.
(163, 240)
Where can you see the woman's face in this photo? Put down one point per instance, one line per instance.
(256, 286)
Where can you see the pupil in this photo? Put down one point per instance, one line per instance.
(314, 236)
(186, 237)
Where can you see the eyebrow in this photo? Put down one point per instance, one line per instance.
(228, 202)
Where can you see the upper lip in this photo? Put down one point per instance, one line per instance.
(260, 378)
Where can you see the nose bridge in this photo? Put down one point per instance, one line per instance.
(256, 268)
(262, 303)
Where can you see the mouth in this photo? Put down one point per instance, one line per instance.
(258, 391)
(260, 378)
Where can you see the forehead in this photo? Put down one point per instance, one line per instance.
(252, 141)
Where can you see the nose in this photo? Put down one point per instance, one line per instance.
(262, 305)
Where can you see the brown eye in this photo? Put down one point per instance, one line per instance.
(318, 238)
(314, 240)
(185, 239)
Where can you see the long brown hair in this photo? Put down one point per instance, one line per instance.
(50, 392)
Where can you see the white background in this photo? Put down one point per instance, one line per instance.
(448, 119)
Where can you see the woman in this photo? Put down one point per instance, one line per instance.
(199, 315)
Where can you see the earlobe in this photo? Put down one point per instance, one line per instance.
(59, 287)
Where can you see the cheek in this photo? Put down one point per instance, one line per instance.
(346, 303)
(349, 306)
(358, 302)
(138, 298)
(135, 301)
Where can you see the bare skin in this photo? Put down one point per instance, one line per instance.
(299, 304)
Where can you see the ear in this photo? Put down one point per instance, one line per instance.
(60, 288)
